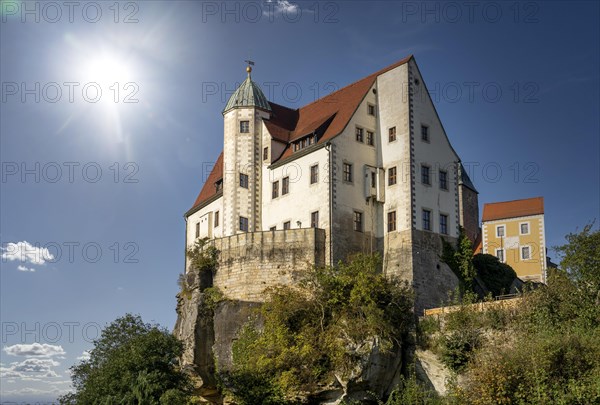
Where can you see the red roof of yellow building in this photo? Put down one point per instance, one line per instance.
(513, 209)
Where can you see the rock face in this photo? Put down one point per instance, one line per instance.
(208, 329)
(431, 371)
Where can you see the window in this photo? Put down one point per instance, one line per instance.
(219, 186)
(425, 179)
(525, 253)
(443, 180)
(425, 133)
(370, 138)
(287, 225)
(244, 127)
(444, 224)
(273, 228)
(216, 219)
(392, 176)
(244, 224)
(243, 180)
(373, 180)
(391, 221)
(358, 221)
(359, 134)
(370, 109)
(314, 174)
(314, 219)
(500, 254)
(500, 231)
(265, 153)
(392, 134)
(347, 172)
(524, 228)
(197, 229)
(275, 192)
(285, 185)
(426, 220)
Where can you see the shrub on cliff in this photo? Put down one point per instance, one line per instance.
(203, 258)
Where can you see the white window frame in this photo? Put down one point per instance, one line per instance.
(528, 228)
(503, 231)
(503, 260)
(521, 252)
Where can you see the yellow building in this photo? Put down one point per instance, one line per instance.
(514, 232)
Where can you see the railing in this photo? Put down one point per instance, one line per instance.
(509, 300)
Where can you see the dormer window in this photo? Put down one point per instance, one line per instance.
(219, 185)
(304, 142)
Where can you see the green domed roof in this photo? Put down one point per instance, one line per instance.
(248, 95)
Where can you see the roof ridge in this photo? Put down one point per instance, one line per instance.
(519, 199)
(372, 75)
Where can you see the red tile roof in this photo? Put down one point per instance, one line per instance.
(513, 209)
(209, 189)
(341, 103)
(328, 115)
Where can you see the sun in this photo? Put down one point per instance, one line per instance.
(108, 68)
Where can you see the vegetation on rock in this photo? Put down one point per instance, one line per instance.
(309, 336)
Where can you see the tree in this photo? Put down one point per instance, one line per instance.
(581, 260)
(131, 363)
(496, 276)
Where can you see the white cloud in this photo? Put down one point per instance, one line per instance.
(34, 350)
(25, 252)
(24, 268)
(283, 6)
(34, 365)
(84, 356)
(35, 391)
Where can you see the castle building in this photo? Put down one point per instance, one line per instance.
(370, 166)
(514, 232)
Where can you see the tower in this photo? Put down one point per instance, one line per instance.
(243, 127)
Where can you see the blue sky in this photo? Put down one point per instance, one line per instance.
(102, 181)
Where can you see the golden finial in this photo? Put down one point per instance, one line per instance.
(249, 67)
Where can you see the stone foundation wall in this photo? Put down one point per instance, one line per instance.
(251, 262)
(414, 256)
